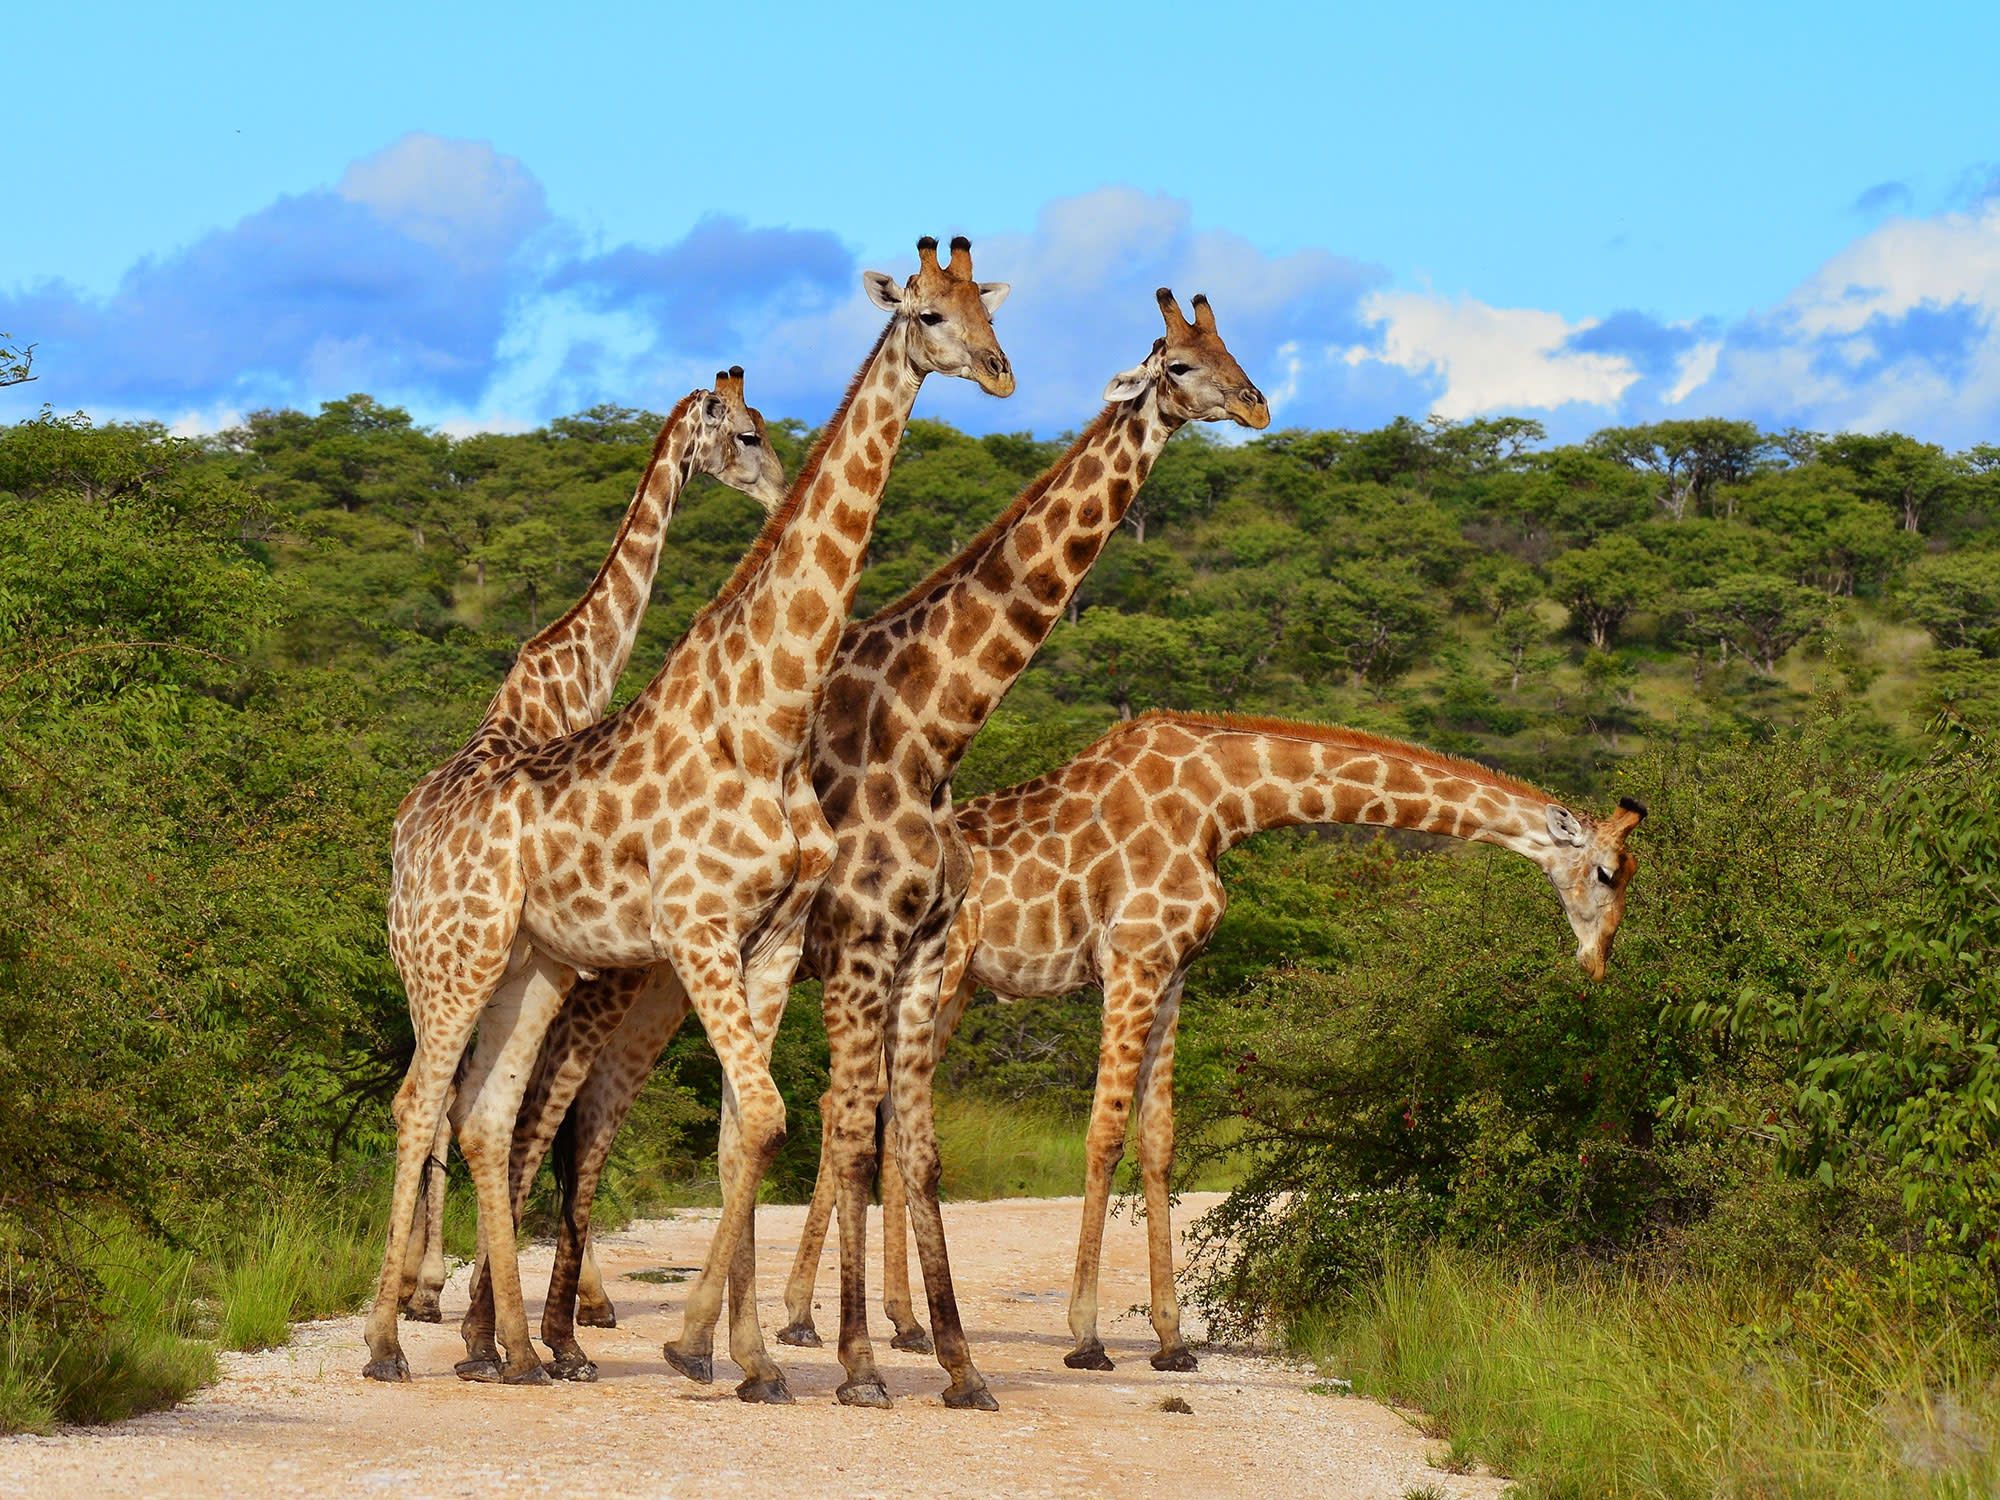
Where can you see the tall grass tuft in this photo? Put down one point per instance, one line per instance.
(1628, 1386)
(993, 1150)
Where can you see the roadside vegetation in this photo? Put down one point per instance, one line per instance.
(1766, 1138)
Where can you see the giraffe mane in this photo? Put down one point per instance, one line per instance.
(624, 526)
(775, 524)
(996, 530)
(1341, 735)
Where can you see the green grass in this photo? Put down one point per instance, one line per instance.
(1621, 1384)
(165, 1311)
(1007, 1150)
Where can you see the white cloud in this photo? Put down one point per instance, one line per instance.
(1490, 359)
(1695, 368)
(460, 197)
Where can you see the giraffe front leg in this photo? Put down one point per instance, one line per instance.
(510, 1037)
(423, 1267)
(1131, 996)
(851, 1001)
(799, 1330)
(1155, 1130)
(710, 969)
(418, 1107)
(583, 1145)
(913, 1056)
(911, 1335)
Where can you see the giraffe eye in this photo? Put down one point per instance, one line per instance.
(747, 439)
(930, 319)
(1605, 877)
(1178, 369)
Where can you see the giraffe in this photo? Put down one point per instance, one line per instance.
(1104, 872)
(909, 689)
(682, 829)
(564, 676)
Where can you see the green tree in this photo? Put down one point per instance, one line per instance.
(1956, 597)
(531, 558)
(1917, 482)
(1371, 621)
(1691, 460)
(1600, 585)
(1765, 615)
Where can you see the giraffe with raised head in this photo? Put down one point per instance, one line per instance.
(564, 676)
(910, 688)
(1103, 872)
(681, 830)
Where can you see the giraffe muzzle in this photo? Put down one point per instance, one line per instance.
(1250, 408)
(996, 375)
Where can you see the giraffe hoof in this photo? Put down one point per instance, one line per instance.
(1179, 1361)
(1093, 1358)
(423, 1308)
(914, 1341)
(394, 1368)
(771, 1392)
(970, 1398)
(576, 1367)
(481, 1367)
(602, 1315)
(697, 1367)
(800, 1335)
(870, 1393)
(534, 1374)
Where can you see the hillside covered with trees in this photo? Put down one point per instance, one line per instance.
(224, 661)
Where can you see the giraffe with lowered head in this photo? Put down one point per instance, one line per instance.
(564, 676)
(1103, 872)
(682, 829)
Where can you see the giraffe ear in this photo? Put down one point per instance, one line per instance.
(1127, 384)
(993, 293)
(883, 290)
(1564, 828)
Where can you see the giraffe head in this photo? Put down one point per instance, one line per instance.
(731, 443)
(949, 315)
(1198, 378)
(1590, 868)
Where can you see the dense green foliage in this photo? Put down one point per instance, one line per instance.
(223, 662)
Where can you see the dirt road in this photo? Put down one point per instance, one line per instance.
(300, 1420)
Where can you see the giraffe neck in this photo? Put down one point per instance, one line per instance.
(790, 597)
(564, 677)
(975, 624)
(1276, 780)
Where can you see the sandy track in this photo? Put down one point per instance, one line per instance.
(300, 1420)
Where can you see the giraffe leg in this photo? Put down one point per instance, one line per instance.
(958, 986)
(1155, 1131)
(1131, 995)
(798, 1329)
(910, 1334)
(593, 1302)
(417, 1108)
(852, 1001)
(423, 1267)
(584, 1145)
(710, 967)
(510, 1035)
(913, 1055)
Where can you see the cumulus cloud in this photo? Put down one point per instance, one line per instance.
(1899, 330)
(1484, 359)
(433, 274)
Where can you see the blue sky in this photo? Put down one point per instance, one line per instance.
(493, 214)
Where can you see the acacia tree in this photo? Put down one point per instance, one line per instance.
(1918, 482)
(1956, 598)
(1763, 614)
(1692, 459)
(1603, 583)
(1370, 620)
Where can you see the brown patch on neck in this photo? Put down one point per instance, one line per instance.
(1343, 738)
(996, 532)
(667, 427)
(779, 519)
